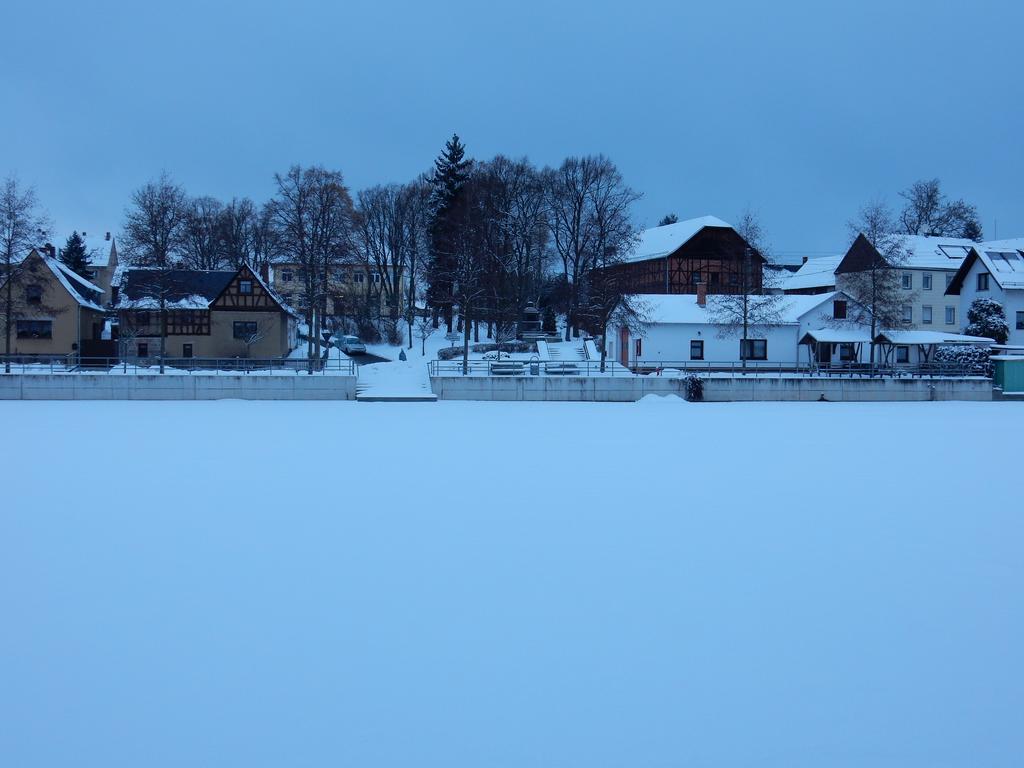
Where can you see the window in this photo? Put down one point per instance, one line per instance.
(949, 279)
(695, 277)
(143, 349)
(376, 278)
(983, 281)
(839, 310)
(286, 275)
(753, 349)
(186, 350)
(34, 294)
(142, 318)
(35, 329)
(847, 352)
(713, 279)
(926, 315)
(908, 281)
(245, 287)
(1020, 321)
(902, 354)
(696, 349)
(950, 315)
(907, 313)
(638, 348)
(926, 281)
(244, 329)
(359, 277)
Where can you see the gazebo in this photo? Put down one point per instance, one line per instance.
(924, 342)
(821, 344)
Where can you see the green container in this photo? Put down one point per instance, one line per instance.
(1009, 374)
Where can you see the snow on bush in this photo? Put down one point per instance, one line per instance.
(987, 318)
(975, 360)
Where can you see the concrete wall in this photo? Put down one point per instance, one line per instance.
(632, 388)
(102, 386)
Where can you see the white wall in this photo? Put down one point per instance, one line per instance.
(1012, 300)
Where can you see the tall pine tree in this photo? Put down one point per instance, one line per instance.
(451, 171)
(74, 256)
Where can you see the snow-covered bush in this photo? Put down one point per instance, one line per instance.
(973, 360)
(987, 318)
(694, 388)
(449, 353)
(505, 346)
(497, 356)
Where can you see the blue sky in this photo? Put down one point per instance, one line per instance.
(800, 110)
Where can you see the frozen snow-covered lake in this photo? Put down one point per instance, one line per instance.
(462, 584)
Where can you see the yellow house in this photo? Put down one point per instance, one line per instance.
(349, 286)
(53, 310)
(210, 314)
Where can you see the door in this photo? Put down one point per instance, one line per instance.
(824, 353)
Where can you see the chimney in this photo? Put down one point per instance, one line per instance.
(702, 295)
(804, 261)
(265, 273)
(107, 237)
(50, 250)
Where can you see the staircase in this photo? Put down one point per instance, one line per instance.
(398, 382)
(563, 358)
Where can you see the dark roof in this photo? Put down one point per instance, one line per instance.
(957, 283)
(861, 257)
(179, 283)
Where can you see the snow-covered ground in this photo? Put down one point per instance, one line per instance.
(511, 584)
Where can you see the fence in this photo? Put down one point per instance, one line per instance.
(72, 363)
(536, 367)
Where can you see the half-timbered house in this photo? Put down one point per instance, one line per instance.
(678, 258)
(209, 314)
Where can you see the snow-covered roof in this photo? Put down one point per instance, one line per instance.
(661, 241)
(925, 252)
(837, 336)
(928, 337)
(814, 273)
(1004, 262)
(683, 308)
(78, 287)
(97, 246)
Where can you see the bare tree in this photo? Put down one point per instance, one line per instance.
(239, 224)
(154, 238)
(929, 212)
(418, 233)
(424, 330)
(749, 309)
(313, 216)
(202, 234)
(569, 195)
(383, 238)
(870, 273)
(22, 226)
(614, 237)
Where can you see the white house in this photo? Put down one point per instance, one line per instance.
(817, 275)
(682, 328)
(994, 270)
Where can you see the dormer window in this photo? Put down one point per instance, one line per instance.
(245, 287)
(34, 294)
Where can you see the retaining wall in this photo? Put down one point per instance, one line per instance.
(632, 388)
(86, 386)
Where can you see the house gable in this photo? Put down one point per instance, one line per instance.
(861, 257)
(957, 283)
(246, 293)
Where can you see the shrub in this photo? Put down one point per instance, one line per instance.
(449, 353)
(987, 318)
(505, 346)
(694, 388)
(974, 360)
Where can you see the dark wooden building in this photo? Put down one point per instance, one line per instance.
(677, 258)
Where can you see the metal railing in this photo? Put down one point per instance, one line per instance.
(697, 367)
(175, 365)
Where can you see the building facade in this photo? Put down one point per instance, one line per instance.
(54, 310)
(209, 314)
(993, 270)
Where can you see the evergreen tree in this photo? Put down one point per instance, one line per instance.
(669, 219)
(448, 181)
(74, 256)
(987, 318)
